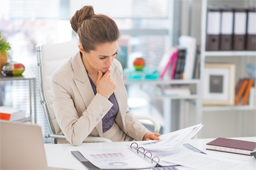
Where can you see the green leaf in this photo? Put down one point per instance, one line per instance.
(4, 46)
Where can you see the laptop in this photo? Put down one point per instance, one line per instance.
(22, 147)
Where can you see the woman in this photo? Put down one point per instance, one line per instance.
(88, 93)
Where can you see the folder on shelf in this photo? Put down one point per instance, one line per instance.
(180, 64)
(189, 43)
(240, 18)
(247, 92)
(226, 32)
(213, 29)
(251, 30)
(241, 92)
(239, 85)
(167, 61)
(173, 65)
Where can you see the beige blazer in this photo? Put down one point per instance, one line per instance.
(79, 112)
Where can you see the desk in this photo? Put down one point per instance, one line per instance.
(27, 75)
(59, 155)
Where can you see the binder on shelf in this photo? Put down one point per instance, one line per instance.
(251, 30)
(240, 18)
(226, 32)
(213, 29)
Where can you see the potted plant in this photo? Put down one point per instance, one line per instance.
(4, 48)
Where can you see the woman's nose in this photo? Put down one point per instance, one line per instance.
(110, 60)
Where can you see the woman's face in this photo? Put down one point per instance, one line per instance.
(102, 57)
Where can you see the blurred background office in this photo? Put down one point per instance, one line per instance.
(148, 29)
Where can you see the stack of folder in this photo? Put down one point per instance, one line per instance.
(231, 29)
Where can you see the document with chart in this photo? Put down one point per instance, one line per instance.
(118, 159)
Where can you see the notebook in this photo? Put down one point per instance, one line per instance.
(22, 147)
(231, 146)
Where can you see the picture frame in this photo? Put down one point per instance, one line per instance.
(219, 84)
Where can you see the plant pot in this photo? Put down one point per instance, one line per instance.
(3, 60)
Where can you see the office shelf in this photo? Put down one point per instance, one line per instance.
(27, 118)
(228, 108)
(177, 97)
(229, 53)
(193, 81)
(31, 78)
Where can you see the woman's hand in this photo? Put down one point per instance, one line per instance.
(151, 136)
(105, 85)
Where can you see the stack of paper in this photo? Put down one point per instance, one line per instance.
(171, 141)
(11, 114)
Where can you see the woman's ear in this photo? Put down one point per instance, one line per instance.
(81, 48)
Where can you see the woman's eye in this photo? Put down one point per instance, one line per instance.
(102, 58)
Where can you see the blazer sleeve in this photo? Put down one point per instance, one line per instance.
(75, 128)
(133, 127)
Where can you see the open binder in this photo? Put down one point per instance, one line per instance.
(139, 155)
(116, 160)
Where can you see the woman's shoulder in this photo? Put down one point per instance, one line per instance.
(117, 65)
(63, 71)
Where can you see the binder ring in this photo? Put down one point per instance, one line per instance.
(155, 157)
(135, 144)
(139, 150)
(146, 153)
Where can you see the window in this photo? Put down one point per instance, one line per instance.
(144, 26)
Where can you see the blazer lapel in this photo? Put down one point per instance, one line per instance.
(120, 97)
(83, 85)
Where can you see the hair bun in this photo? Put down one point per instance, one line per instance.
(82, 14)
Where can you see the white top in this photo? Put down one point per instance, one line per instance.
(213, 23)
(252, 23)
(240, 23)
(227, 23)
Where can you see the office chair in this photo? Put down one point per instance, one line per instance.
(49, 57)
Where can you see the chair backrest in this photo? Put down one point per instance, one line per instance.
(49, 58)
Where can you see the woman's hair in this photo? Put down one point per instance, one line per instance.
(93, 29)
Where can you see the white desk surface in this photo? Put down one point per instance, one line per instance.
(59, 155)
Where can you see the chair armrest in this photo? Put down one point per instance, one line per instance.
(150, 118)
(55, 136)
(88, 139)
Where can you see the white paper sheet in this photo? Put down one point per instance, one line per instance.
(115, 159)
(171, 141)
(204, 162)
(166, 157)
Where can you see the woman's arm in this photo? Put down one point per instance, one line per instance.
(74, 128)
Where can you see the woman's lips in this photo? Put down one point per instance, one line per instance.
(106, 68)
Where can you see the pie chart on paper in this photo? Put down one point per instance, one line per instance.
(118, 164)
